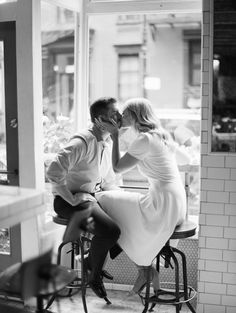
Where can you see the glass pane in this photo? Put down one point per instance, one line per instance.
(57, 34)
(224, 79)
(3, 153)
(4, 232)
(147, 55)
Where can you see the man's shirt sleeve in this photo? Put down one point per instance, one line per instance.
(65, 160)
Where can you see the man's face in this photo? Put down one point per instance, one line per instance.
(112, 113)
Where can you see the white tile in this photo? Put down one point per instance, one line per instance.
(206, 9)
(232, 197)
(212, 184)
(232, 267)
(212, 231)
(201, 266)
(205, 99)
(212, 208)
(211, 254)
(231, 290)
(215, 288)
(206, 29)
(218, 196)
(205, 55)
(217, 220)
(218, 173)
(204, 134)
(233, 174)
(202, 219)
(209, 298)
(229, 300)
(213, 161)
(214, 308)
(232, 221)
(230, 161)
(213, 243)
(216, 266)
(202, 242)
(229, 256)
(204, 125)
(229, 278)
(230, 209)
(232, 244)
(230, 185)
(230, 232)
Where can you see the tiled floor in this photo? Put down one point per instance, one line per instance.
(121, 302)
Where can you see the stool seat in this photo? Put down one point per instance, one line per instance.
(184, 230)
(60, 220)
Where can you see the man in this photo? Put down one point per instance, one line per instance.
(80, 170)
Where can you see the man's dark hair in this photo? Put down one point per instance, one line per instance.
(100, 107)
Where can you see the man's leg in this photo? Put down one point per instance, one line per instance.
(106, 234)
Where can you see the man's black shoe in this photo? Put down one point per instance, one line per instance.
(104, 273)
(98, 288)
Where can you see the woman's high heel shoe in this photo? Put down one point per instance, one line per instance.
(142, 279)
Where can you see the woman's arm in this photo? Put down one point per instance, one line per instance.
(124, 163)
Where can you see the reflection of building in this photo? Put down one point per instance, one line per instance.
(156, 56)
(2, 96)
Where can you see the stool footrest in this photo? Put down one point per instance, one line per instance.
(170, 294)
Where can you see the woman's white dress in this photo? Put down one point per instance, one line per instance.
(148, 220)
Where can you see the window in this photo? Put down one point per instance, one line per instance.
(57, 35)
(129, 77)
(58, 61)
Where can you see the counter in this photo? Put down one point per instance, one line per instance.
(19, 204)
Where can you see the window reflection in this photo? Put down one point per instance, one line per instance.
(4, 232)
(3, 153)
(58, 61)
(224, 80)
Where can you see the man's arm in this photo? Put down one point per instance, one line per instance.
(59, 168)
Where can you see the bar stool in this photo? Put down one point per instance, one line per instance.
(181, 293)
(79, 249)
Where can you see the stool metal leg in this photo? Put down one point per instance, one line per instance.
(185, 279)
(177, 294)
(83, 278)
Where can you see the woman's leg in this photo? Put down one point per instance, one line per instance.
(106, 234)
(142, 278)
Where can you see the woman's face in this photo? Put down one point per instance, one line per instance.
(127, 119)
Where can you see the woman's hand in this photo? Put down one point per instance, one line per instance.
(110, 126)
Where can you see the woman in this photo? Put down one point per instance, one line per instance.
(146, 220)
